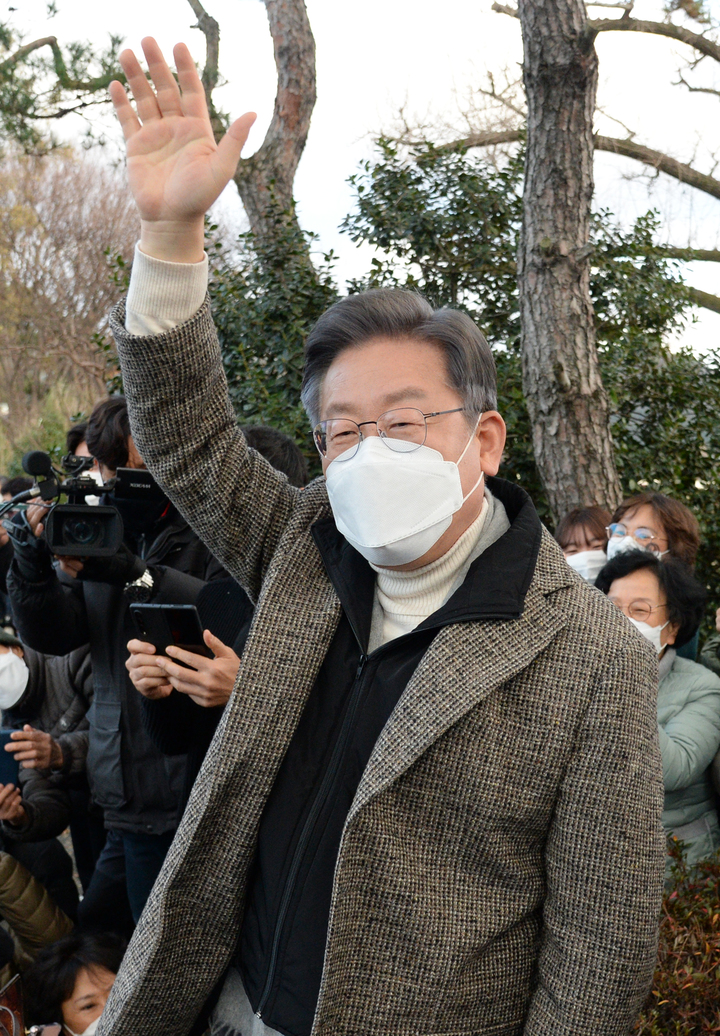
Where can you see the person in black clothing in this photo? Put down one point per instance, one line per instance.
(182, 707)
(87, 601)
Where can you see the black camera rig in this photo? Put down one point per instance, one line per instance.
(76, 528)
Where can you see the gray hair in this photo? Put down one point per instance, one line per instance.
(396, 313)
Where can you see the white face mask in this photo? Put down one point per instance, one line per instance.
(619, 544)
(394, 506)
(14, 676)
(587, 563)
(651, 633)
(90, 1031)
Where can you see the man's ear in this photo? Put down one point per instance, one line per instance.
(491, 433)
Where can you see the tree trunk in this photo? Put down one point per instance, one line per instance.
(265, 181)
(561, 375)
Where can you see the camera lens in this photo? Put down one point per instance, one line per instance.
(82, 532)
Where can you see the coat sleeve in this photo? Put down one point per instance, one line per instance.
(49, 616)
(185, 429)
(47, 808)
(690, 739)
(710, 654)
(604, 862)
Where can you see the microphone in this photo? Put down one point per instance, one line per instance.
(37, 464)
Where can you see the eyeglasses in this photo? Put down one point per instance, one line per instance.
(639, 610)
(402, 431)
(645, 538)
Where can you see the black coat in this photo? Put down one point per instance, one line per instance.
(177, 724)
(138, 788)
(57, 698)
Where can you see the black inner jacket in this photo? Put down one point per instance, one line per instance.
(281, 946)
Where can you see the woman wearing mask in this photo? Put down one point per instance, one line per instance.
(665, 602)
(655, 523)
(582, 534)
(70, 982)
(662, 526)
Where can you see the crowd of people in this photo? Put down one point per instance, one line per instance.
(416, 770)
(643, 558)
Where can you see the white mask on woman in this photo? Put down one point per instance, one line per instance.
(651, 633)
(90, 1031)
(619, 544)
(393, 506)
(14, 676)
(587, 563)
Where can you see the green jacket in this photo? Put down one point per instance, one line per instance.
(689, 721)
(710, 654)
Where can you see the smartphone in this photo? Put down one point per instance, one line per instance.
(9, 768)
(163, 625)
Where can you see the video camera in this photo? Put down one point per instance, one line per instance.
(76, 529)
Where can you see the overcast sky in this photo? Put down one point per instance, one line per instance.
(378, 56)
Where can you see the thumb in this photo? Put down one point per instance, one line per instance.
(217, 647)
(29, 729)
(233, 142)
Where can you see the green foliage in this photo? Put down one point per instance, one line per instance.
(448, 223)
(40, 85)
(265, 299)
(685, 996)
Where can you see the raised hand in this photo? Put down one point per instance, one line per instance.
(175, 168)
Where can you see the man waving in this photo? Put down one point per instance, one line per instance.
(432, 804)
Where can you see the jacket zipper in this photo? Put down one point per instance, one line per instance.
(327, 782)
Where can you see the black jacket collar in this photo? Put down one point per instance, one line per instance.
(494, 588)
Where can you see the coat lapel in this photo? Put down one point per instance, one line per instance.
(463, 665)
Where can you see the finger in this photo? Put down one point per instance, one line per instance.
(150, 672)
(174, 671)
(218, 648)
(148, 683)
(231, 145)
(27, 753)
(5, 791)
(193, 94)
(129, 122)
(188, 687)
(145, 100)
(145, 665)
(139, 647)
(168, 94)
(198, 662)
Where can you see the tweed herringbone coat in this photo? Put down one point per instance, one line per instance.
(501, 867)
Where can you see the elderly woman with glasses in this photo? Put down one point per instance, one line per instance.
(665, 602)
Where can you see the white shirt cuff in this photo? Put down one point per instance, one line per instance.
(163, 295)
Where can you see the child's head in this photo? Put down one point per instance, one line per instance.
(583, 529)
(71, 980)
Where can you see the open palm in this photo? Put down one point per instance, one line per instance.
(175, 168)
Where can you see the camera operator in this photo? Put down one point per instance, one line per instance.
(86, 600)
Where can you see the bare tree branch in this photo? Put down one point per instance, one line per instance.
(682, 81)
(627, 148)
(658, 160)
(211, 31)
(697, 40)
(705, 300)
(486, 139)
(502, 9)
(704, 255)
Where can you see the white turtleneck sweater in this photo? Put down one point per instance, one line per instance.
(404, 599)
